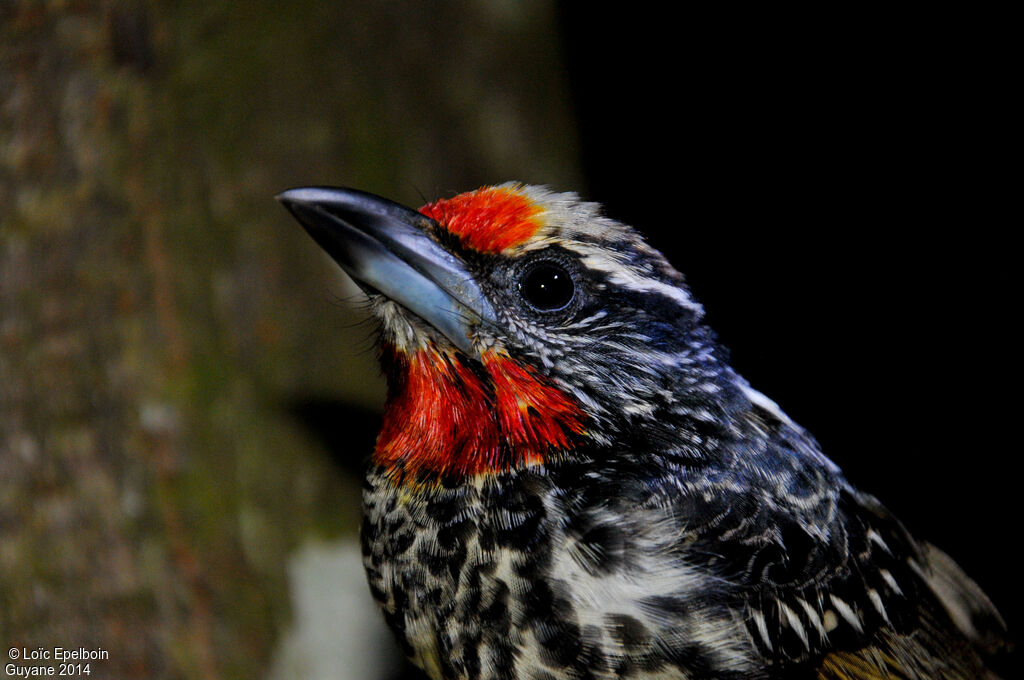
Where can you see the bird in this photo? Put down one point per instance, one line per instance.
(571, 482)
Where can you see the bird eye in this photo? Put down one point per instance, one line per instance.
(547, 287)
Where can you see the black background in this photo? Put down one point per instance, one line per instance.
(836, 189)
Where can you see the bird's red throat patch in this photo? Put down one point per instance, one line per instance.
(489, 220)
(443, 419)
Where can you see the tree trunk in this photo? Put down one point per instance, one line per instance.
(161, 315)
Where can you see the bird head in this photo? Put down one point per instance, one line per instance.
(518, 327)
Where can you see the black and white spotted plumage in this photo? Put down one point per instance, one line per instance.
(692, 530)
(591, 570)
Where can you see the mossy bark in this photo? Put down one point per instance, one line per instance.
(158, 310)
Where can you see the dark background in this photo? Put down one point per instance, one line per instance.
(837, 190)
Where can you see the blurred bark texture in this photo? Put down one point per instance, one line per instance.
(158, 309)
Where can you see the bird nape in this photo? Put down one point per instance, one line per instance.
(571, 481)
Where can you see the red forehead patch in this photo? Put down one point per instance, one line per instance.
(489, 220)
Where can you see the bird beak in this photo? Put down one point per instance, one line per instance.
(384, 246)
